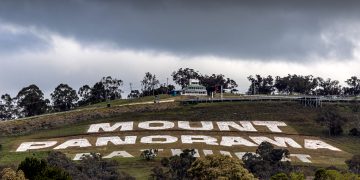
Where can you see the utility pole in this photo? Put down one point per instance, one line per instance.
(221, 92)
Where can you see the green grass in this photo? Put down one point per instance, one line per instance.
(128, 101)
(300, 120)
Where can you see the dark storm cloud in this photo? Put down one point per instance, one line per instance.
(262, 30)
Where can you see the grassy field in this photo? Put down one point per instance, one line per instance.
(300, 121)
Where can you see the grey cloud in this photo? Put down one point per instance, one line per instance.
(263, 30)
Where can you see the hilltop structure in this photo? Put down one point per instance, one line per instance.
(194, 89)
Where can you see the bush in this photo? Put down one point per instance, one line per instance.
(36, 169)
(279, 176)
(32, 167)
(149, 154)
(354, 132)
(297, 176)
(10, 174)
(320, 174)
(177, 166)
(90, 167)
(323, 174)
(267, 161)
(219, 167)
(354, 164)
(331, 118)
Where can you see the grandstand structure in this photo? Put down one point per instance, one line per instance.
(194, 89)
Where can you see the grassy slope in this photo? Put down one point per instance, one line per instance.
(300, 120)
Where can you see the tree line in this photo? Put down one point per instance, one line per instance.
(30, 100)
(298, 84)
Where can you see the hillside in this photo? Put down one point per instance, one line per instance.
(61, 127)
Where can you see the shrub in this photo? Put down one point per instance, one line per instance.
(354, 132)
(320, 174)
(177, 166)
(97, 168)
(10, 174)
(279, 176)
(354, 164)
(36, 169)
(331, 118)
(219, 167)
(149, 154)
(297, 176)
(32, 167)
(267, 161)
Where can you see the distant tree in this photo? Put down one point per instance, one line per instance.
(149, 84)
(182, 76)
(134, 94)
(163, 89)
(214, 82)
(8, 108)
(328, 87)
(354, 164)
(281, 84)
(261, 85)
(85, 94)
(218, 167)
(98, 93)
(331, 118)
(354, 86)
(267, 161)
(64, 98)
(296, 84)
(30, 101)
(112, 87)
(10, 174)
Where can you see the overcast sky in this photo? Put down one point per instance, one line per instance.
(77, 42)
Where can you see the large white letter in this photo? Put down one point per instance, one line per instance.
(106, 127)
(103, 141)
(302, 157)
(119, 154)
(271, 125)
(243, 126)
(232, 140)
(150, 139)
(205, 126)
(35, 145)
(279, 141)
(318, 144)
(189, 139)
(74, 143)
(165, 125)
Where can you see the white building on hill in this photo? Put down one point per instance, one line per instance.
(194, 89)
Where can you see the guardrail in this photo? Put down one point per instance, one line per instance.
(268, 98)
